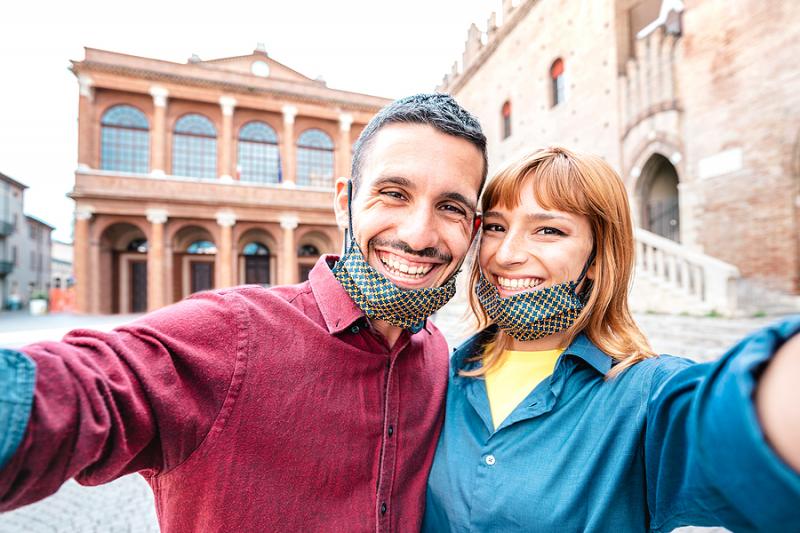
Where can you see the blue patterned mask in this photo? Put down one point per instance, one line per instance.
(534, 314)
(381, 299)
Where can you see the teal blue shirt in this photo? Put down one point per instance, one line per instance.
(667, 443)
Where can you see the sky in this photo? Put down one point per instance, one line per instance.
(376, 47)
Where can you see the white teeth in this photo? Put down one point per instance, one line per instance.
(518, 283)
(402, 268)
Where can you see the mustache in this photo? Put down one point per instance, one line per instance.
(429, 253)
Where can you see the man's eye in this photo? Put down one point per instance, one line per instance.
(454, 209)
(394, 194)
(493, 227)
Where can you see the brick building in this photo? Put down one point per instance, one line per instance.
(205, 174)
(695, 103)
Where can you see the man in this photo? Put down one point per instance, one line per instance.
(313, 407)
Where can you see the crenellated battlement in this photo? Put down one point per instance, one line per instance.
(481, 43)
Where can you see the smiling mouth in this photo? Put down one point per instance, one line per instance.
(402, 269)
(517, 285)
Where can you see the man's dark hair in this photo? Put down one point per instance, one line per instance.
(440, 111)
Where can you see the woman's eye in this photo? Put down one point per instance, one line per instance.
(551, 231)
(493, 227)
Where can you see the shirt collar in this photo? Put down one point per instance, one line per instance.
(585, 349)
(581, 348)
(338, 310)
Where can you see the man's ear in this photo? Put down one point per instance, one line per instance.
(340, 202)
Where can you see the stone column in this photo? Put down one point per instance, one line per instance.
(158, 131)
(288, 157)
(224, 259)
(155, 259)
(343, 154)
(86, 126)
(83, 216)
(227, 103)
(288, 269)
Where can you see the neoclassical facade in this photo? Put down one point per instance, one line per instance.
(696, 103)
(204, 175)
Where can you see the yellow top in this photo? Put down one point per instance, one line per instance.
(516, 376)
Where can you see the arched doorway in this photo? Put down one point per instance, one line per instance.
(194, 256)
(659, 199)
(312, 245)
(256, 263)
(256, 257)
(122, 274)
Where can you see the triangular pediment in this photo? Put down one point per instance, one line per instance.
(257, 64)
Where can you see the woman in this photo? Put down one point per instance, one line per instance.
(559, 415)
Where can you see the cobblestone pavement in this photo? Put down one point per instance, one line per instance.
(126, 505)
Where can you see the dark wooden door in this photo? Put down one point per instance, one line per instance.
(202, 273)
(256, 269)
(138, 288)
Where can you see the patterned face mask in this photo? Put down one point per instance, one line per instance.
(381, 299)
(534, 314)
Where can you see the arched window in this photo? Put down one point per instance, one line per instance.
(201, 247)
(194, 147)
(259, 159)
(255, 248)
(124, 140)
(558, 81)
(315, 159)
(506, 112)
(308, 250)
(137, 245)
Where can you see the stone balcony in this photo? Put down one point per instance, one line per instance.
(130, 194)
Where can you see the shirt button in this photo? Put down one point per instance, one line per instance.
(490, 460)
(383, 508)
(354, 329)
(390, 431)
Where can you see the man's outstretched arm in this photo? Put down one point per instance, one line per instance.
(142, 397)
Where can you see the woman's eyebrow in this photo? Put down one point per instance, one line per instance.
(539, 217)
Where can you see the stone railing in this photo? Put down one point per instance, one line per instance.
(706, 280)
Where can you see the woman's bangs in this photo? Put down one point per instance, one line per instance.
(556, 186)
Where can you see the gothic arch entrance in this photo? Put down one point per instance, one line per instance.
(659, 198)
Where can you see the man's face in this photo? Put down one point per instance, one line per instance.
(414, 209)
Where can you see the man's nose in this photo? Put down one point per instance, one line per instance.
(418, 229)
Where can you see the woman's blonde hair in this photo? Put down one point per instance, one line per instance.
(584, 185)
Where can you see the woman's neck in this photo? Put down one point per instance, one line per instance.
(551, 342)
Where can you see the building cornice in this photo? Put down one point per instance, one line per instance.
(343, 99)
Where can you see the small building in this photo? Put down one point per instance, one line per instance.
(24, 248)
(204, 175)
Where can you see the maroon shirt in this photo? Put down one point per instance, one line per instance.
(246, 409)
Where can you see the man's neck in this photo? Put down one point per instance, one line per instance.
(389, 332)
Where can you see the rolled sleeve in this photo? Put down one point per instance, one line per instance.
(708, 458)
(17, 380)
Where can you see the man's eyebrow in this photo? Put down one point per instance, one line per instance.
(458, 197)
(393, 180)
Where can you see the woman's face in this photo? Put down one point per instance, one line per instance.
(529, 248)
